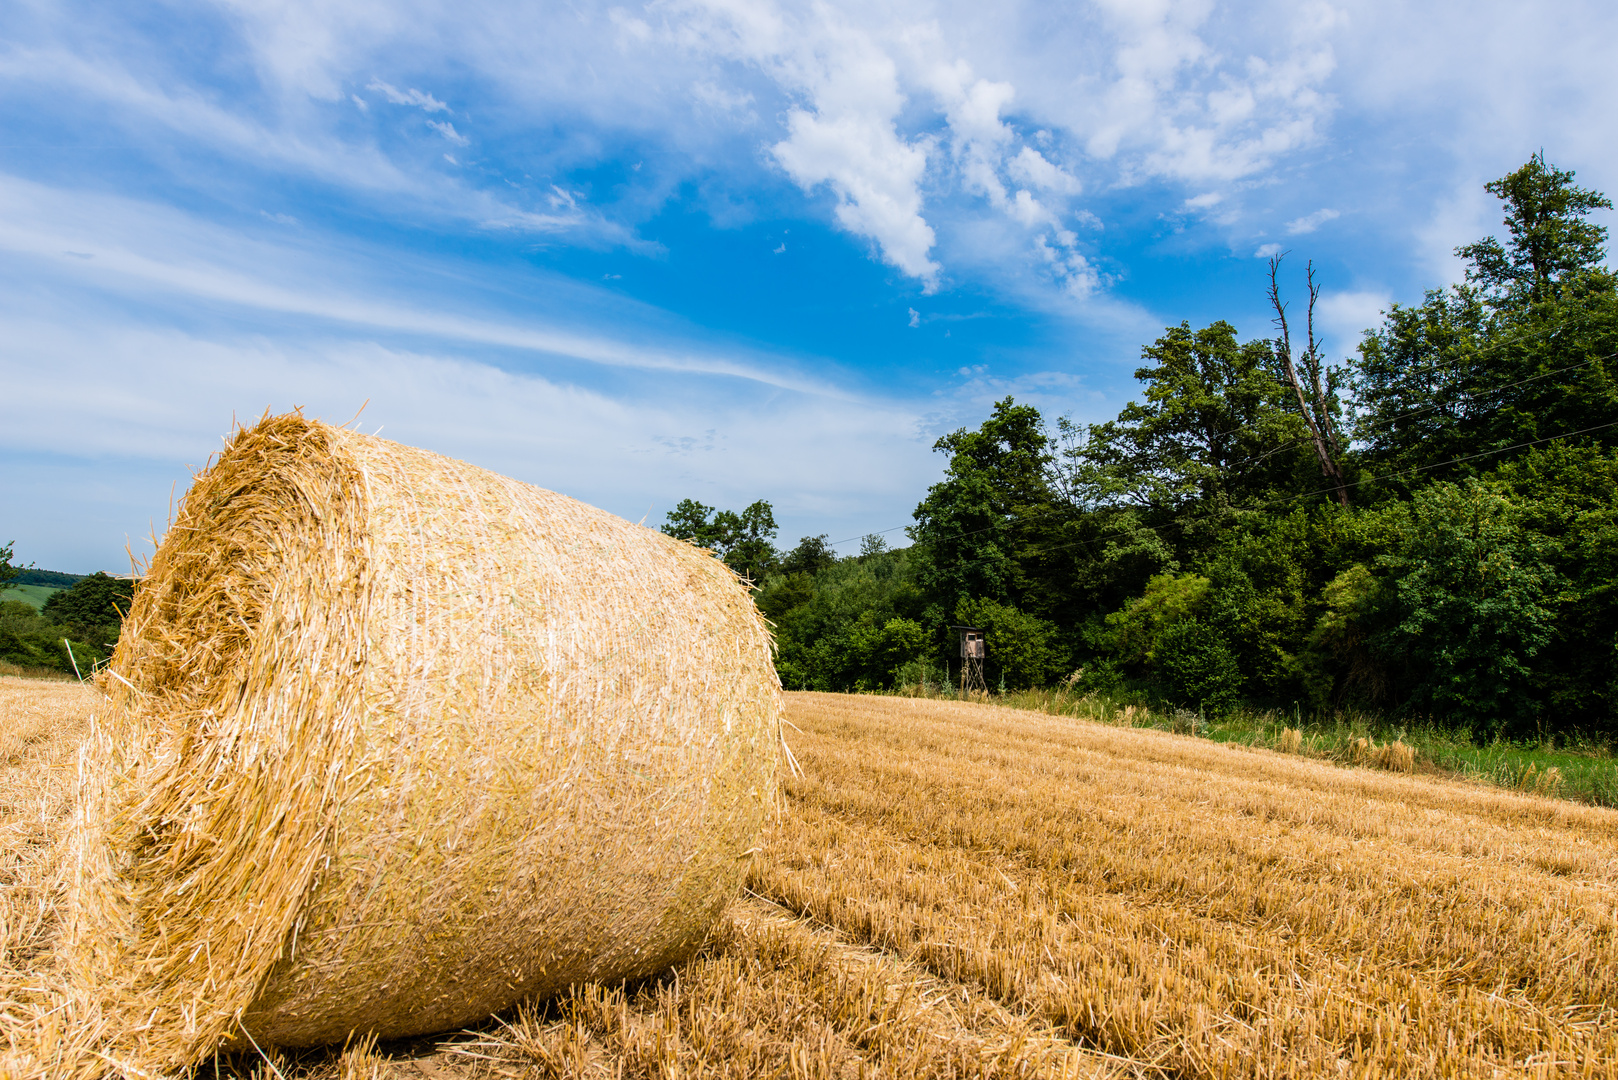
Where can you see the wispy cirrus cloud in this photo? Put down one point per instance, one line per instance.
(1308, 223)
(125, 245)
(425, 102)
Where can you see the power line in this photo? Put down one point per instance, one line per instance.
(1486, 350)
(1429, 408)
(1182, 525)
(1277, 449)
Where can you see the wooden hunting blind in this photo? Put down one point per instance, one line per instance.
(973, 650)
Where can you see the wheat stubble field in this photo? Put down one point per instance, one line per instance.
(964, 890)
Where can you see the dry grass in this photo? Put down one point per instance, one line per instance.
(1290, 741)
(1394, 756)
(1212, 910)
(961, 890)
(42, 725)
(27, 671)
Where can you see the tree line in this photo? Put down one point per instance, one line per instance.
(1427, 529)
(75, 629)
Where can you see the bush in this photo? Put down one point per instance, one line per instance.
(29, 639)
(1022, 649)
(1197, 666)
(1168, 600)
(94, 607)
(1472, 603)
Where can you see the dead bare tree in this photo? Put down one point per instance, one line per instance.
(1318, 385)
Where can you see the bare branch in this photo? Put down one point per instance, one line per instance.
(1316, 415)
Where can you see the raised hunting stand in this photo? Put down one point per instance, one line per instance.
(972, 652)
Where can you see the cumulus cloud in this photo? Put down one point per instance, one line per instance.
(875, 176)
(1031, 168)
(1346, 314)
(842, 132)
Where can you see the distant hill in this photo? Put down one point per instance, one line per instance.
(51, 579)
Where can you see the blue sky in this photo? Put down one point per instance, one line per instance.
(721, 250)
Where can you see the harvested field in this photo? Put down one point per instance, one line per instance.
(963, 890)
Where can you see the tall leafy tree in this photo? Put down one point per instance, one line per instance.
(1213, 429)
(982, 527)
(1551, 245)
(7, 571)
(1520, 353)
(812, 555)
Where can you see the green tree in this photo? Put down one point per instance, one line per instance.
(1551, 244)
(1520, 353)
(1566, 497)
(1415, 382)
(8, 571)
(1214, 428)
(749, 540)
(988, 528)
(693, 522)
(812, 555)
(94, 607)
(744, 541)
(1472, 602)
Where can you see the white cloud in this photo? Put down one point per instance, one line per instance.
(738, 103)
(447, 129)
(149, 402)
(132, 247)
(1345, 315)
(915, 318)
(844, 135)
(425, 102)
(1031, 168)
(875, 176)
(1310, 222)
(1267, 251)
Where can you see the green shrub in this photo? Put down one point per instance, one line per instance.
(1023, 650)
(1197, 666)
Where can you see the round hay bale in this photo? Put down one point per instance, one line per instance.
(399, 742)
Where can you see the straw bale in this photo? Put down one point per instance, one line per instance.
(398, 742)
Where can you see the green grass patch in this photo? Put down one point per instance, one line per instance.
(32, 595)
(1581, 769)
